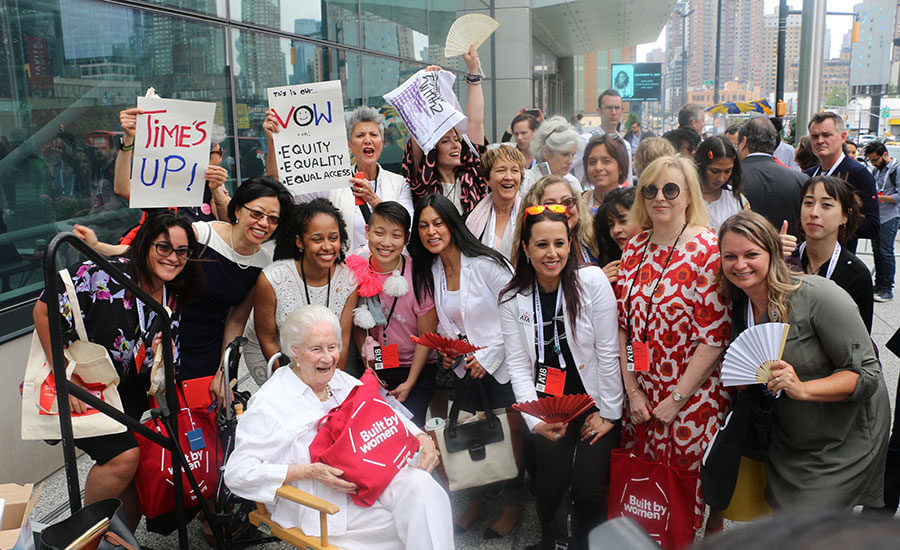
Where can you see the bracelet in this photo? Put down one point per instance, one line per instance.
(127, 147)
(634, 390)
(473, 78)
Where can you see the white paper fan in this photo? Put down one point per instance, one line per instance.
(749, 357)
(473, 28)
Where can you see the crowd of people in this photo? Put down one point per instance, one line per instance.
(621, 266)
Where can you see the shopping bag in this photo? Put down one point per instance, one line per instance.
(364, 437)
(100, 525)
(660, 497)
(87, 362)
(480, 451)
(200, 445)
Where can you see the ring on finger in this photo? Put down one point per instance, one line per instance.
(777, 379)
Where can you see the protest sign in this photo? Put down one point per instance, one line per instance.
(311, 144)
(171, 152)
(428, 106)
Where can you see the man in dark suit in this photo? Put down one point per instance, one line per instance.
(635, 135)
(772, 189)
(827, 135)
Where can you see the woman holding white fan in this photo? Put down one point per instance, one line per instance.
(830, 424)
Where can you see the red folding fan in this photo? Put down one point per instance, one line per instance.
(451, 347)
(557, 408)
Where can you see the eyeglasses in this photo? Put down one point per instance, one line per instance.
(165, 249)
(257, 215)
(612, 107)
(568, 202)
(670, 191)
(539, 208)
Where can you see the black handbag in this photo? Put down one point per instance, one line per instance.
(116, 536)
(479, 452)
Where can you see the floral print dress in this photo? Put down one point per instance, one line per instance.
(111, 320)
(687, 311)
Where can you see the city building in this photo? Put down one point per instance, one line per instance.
(732, 91)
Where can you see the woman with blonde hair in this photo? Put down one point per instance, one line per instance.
(493, 219)
(833, 414)
(558, 190)
(650, 149)
(673, 323)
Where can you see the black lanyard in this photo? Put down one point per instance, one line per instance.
(306, 286)
(394, 304)
(637, 274)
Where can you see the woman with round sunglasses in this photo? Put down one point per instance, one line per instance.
(158, 262)
(830, 211)
(829, 433)
(464, 277)
(605, 168)
(308, 269)
(719, 169)
(672, 322)
(559, 190)
(559, 331)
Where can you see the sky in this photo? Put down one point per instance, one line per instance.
(836, 25)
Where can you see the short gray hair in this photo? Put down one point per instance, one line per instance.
(217, 134)
(760, 134)
(689, 113)
(819, 118)
(296, 327)
(364, 113)
(555, 134)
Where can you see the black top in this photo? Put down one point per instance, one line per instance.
(573, 385)
(773, 190)
(863, 183)
(852, 275)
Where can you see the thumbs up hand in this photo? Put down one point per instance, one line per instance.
(788, 241)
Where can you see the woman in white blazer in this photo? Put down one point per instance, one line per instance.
(465, 277)
(564, 342)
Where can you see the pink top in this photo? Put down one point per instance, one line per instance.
(403, 322)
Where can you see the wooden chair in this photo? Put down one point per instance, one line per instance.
(262, 519)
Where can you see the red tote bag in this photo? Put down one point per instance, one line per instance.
(658, 496)
(200, 444)
(365, 438)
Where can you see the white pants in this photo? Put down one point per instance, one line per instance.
(413, 513)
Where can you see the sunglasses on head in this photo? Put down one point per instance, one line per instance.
(539, 208)
(670, 191)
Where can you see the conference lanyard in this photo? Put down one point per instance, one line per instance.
(539, 325)
(832, 263)
(306, 286)
(653, 293)
(833, 168)
(393, 305)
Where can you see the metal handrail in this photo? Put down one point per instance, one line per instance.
(64, 387)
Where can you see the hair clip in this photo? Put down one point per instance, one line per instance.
(710, 154)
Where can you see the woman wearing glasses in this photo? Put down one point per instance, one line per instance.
(560, 190)
(605, 167)
(232, 258)
(112, 318)
(672, 322)
(309, 269)
(559, 333)
(465, 277)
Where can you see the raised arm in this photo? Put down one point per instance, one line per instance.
(271, 128)
(122, 178)
(475, 103)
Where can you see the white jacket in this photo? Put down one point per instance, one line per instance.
(594, 345)
(480, 281)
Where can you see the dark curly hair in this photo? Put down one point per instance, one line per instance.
(187, 285)
(286, 243)
(713, 149)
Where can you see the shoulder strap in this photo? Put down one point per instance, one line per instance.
(73, 303)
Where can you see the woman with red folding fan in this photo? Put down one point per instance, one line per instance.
(559, 332)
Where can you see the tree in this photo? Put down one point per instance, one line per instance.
(837, 97)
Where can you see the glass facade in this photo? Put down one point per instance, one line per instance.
(67, 67)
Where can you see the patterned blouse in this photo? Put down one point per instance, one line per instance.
(426, 179)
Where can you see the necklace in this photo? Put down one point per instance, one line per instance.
(389, 271)
(328, 393)
(234, 253)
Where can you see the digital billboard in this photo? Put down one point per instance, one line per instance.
(637, 81)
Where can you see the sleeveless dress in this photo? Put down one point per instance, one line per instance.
(290, 294)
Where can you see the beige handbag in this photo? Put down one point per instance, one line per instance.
(91, 362)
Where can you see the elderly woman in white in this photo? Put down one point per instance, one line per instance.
(365, 138)
(557, 143)
(272, 448)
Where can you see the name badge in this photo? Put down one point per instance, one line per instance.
(637, 356)
(550, 380)
(387, 357)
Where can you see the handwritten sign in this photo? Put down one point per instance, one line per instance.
(311, 143)
(428, 106)
(171, 152)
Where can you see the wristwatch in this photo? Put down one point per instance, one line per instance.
(677, 397)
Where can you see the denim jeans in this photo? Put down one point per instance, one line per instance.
(884, 255)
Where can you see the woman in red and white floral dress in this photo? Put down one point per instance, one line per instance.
(673, 320)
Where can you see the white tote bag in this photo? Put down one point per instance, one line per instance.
(90, 362)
